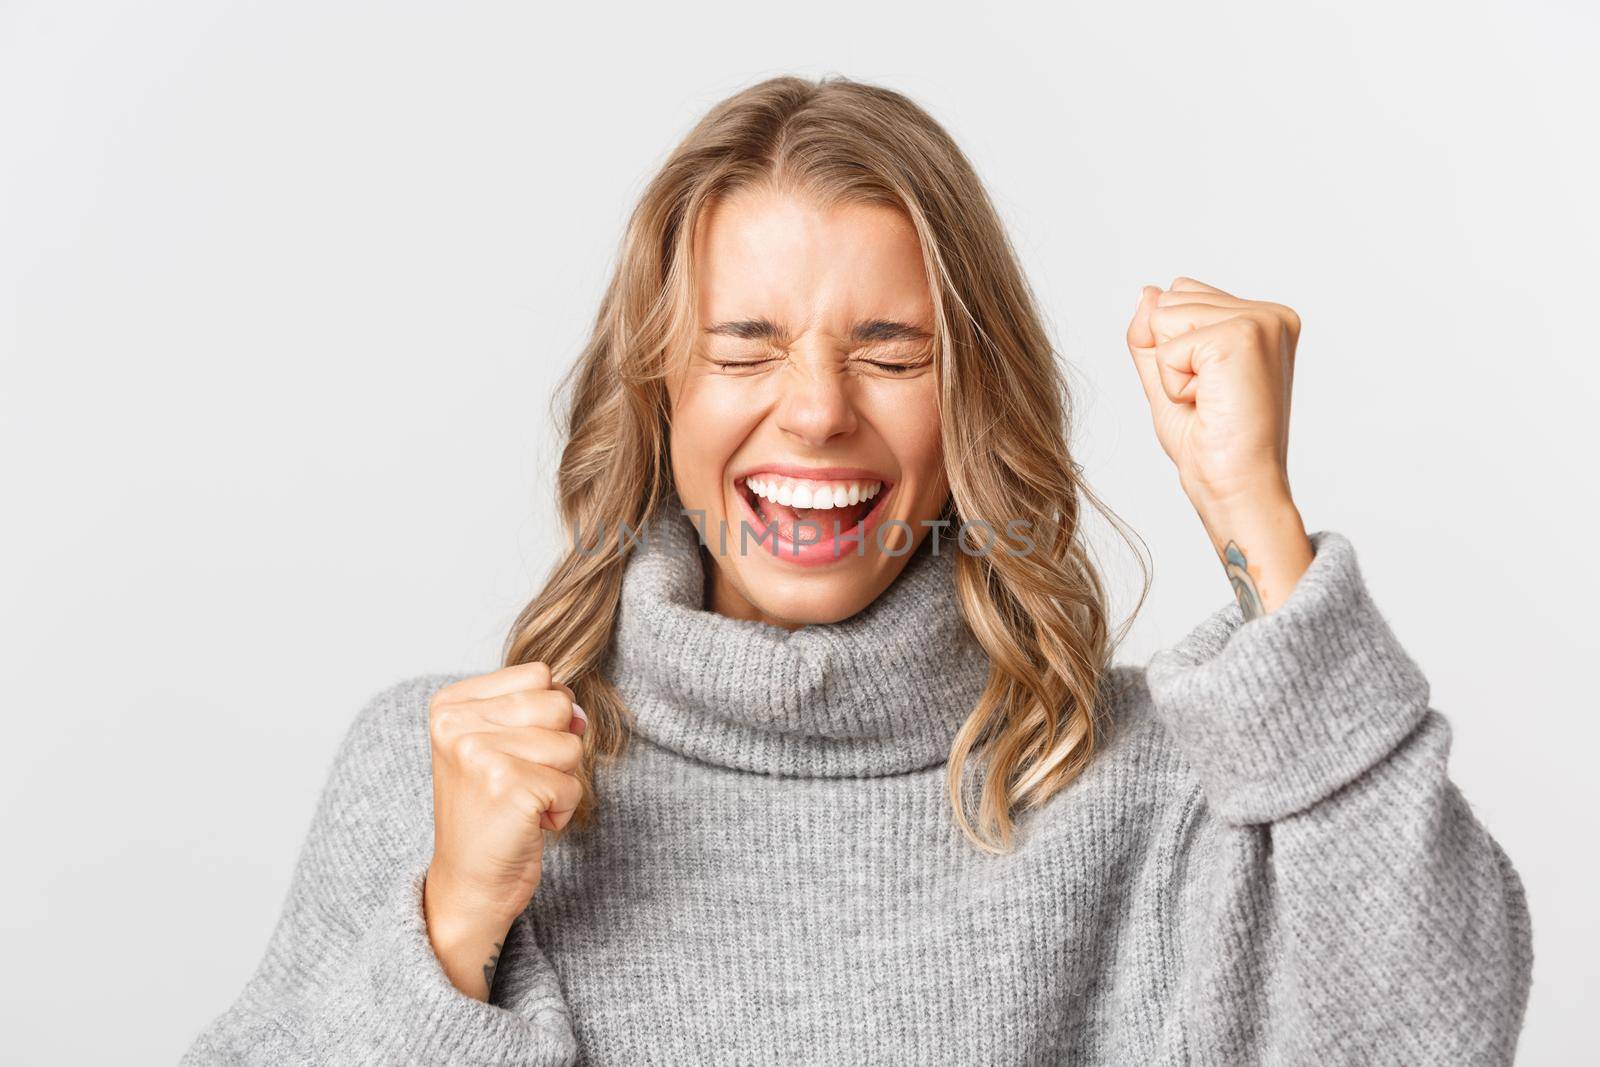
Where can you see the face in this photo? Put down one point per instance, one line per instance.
(805, 419)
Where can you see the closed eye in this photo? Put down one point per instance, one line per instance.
(896, 368)
(741, 364)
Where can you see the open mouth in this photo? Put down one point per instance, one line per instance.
(811, 515)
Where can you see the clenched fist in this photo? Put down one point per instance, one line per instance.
(507, 747)
(1218, 371)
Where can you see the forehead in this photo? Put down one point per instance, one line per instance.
(773, 252)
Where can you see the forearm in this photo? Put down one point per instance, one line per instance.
(467, 941)
(1260, 538)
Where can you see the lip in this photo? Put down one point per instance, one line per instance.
(820, 474)
(823, 552)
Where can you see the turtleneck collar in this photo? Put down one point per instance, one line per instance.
(882, 692)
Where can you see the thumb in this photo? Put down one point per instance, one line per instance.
(580, 718)
(1175, 361)
(1140, 332)
(1142, 346)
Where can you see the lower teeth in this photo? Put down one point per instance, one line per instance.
(811, 524)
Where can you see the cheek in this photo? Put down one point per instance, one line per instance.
(908, 419)
(710, 420)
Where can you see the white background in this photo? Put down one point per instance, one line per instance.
(284, 289)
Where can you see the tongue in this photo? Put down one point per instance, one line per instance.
(820, 521)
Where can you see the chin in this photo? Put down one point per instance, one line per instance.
(807, 596)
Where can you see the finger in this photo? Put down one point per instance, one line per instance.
(1184, 283)
(1151, 378)
(1285, 314)
(1175, 368)
(1139, 327)
(1141, 345)
(560, 749)
(554, 792)
(549, 708)
(1181, 360)
(535, 790)
(533, 675)
(580, 718)
(1174, 320)
(1144, 362)
(1169, 297)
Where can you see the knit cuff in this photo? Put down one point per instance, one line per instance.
(1279, 712)
(399, 1000)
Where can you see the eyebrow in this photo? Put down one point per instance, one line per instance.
(748, 330)
(888, 330)
(763, 329)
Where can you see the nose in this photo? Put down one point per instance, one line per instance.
(816, 405)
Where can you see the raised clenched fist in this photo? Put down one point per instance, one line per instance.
(1218, 371)
(507, 747)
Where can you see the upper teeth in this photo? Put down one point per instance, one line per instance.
(799, 493)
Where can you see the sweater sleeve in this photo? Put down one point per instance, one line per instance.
(1395, 927)
(349, 974)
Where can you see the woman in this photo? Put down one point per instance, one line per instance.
(811, 749)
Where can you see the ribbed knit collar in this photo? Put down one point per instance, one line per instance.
(882, 692)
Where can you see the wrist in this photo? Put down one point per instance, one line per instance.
(1265, 522)
(459, 905)
(465, 938)
(1263, 494)
(1260, 538)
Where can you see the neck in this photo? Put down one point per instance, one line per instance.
(882, 692)
(725, 598)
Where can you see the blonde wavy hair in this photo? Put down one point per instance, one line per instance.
(1005, 416)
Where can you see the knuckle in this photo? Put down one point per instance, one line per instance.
(569, 751)
(442, 723)
(545, 707)
(562, 703)
(499, 778)
(471, 750)
(528, 803)
(568, 794)
(555, 789)
(574, 789)
(1249, 328)
(1291, 319)
(438, 702)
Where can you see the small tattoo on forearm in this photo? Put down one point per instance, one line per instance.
(488, 968)
(1244, 586)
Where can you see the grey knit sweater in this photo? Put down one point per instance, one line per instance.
(1267, 863)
